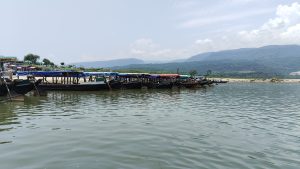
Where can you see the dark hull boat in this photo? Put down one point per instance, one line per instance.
(94, 86)
(3, 90)
(115, 84)
(204, 82)
(159, 85)
(21, 87)
(132, 85)
(189, 84)
(24, 86)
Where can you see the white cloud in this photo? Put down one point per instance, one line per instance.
(145, 48)
(292, 34)
(200, 21)
(203, 41)
(284, 28)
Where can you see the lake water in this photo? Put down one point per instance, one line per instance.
(234, 126)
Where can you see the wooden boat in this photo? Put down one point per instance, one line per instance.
(131, 80)
(161, 81)
(158, 85)
(132, 85)
(24, 86)
(189, 84)
(219, 81)
(3, 90)
(70, 81)
(89, 86)
(21, 87)
(187, 81)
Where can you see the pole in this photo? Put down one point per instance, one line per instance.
(36, 89)
(7, 88)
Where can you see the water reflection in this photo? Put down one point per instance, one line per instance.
(228, 126)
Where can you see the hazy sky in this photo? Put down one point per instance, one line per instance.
(85, 30)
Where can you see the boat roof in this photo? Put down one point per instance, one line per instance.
(185, 76)
(50, 73)
(100, 73)
(133, 75)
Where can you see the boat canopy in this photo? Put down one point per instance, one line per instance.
(86, 74)
(185, 76)
(133, 75)
(169, 75)
(164, 75)
(100, 73)
(50, 73)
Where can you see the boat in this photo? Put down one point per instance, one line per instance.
(74, 80)
(24, 86)
(17, 86)
(161, 81)
(131, 80)
(3, 90)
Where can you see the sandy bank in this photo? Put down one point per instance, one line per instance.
(241, 80)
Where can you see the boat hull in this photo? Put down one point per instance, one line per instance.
(74, 87)
(3, 90)
(132, 85)
(159, 85)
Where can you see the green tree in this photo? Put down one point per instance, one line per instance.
(193, 73)
(46, 62)
(32, 58)
(209, 72)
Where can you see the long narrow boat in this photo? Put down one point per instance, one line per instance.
(88, 86)
(131, 80)
(73, 81)
(161, 81)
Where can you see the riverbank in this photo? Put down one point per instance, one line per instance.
(254, 80)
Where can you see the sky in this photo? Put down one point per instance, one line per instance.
(153, 30)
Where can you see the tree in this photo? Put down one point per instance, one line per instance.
(31, 58)
(46, 62)
(193, 73)
(62, 63)
(209, 72)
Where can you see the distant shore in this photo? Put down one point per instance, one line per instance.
(256, 80)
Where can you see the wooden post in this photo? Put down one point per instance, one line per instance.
(7, 88)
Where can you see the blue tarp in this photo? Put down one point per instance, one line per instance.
(64, 73)
(100, 73)
(50, 73)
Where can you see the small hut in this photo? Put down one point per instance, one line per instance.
(4, 59)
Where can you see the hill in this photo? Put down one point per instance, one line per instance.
(267, 61)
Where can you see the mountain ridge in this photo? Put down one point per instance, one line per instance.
(273, 60)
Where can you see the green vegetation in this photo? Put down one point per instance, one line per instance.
(31, 58)
(193, 73)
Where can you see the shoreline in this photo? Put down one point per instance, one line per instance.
(238, 80)
(257, 80)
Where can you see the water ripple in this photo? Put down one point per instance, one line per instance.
(228, 126)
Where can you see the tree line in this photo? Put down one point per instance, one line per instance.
(33, 59)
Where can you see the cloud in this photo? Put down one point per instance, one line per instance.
(284, 28)
(202, 20)
(146, 48)
(203, 41)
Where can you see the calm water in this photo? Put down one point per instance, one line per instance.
(227, 126)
